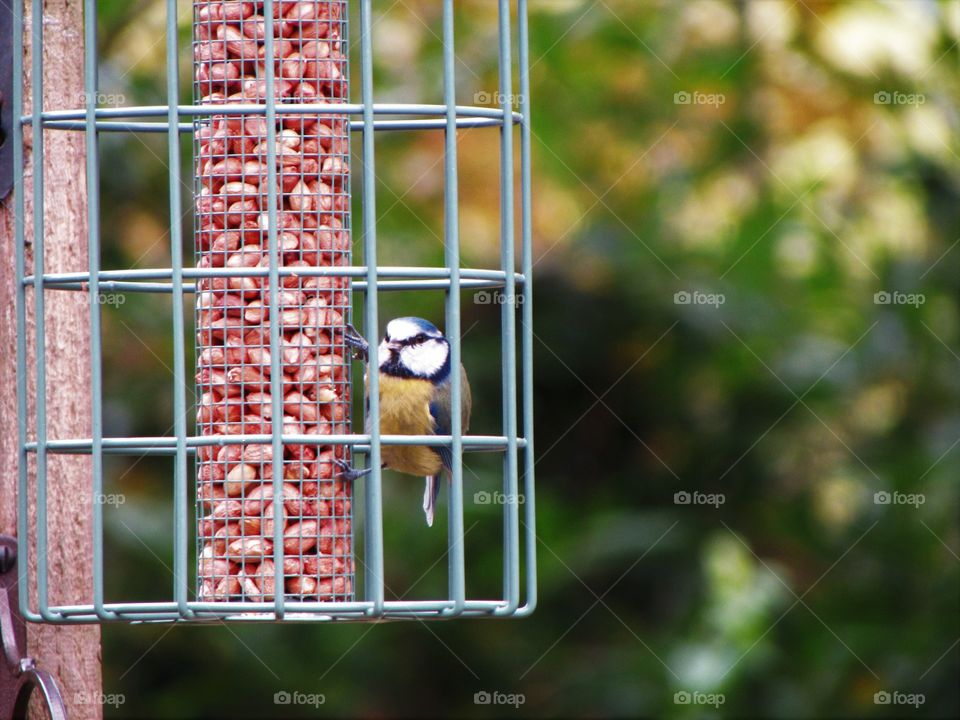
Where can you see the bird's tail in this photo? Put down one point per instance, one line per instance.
(430, 493)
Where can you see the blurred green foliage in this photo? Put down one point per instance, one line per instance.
(790, 159)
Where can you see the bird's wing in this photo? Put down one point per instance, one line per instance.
(466, 401)
(366, 400)
(440, 412)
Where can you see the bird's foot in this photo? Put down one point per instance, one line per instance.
(357, 343)
(348, 472)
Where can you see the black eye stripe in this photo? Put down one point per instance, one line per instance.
(416, 339)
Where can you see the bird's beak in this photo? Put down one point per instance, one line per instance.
(387, 350)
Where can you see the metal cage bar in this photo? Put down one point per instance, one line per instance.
(526, 337)
(176, 118)
(23, 526)
(93, 251)
(508, 323)
(373, 504)
(181, 575)
(455, 557)
(36, 99)
(293, 108)
(276, 395)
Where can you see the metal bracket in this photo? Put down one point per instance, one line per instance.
(6, 99)
(19, 675)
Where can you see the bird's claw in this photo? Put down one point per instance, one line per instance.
(356, 342)
(348, 472)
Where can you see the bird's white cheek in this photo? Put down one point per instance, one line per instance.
(383, 353)
(425, 359)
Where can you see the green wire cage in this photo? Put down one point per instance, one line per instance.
(273, 282)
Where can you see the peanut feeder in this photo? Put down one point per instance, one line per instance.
(237, 505)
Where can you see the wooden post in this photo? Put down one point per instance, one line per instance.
(71, 654)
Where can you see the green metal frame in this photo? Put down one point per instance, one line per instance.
(515, 442)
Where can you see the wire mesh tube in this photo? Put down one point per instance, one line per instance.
(272, 191)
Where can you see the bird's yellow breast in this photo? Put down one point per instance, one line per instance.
(405, 410)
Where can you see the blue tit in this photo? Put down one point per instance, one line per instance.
(415, 388)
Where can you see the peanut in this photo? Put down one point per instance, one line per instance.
(221, 538)
(212, 566)
(301, 585)
(261, 493)
(239, 479)
(250, 547)
(226, 588)
(250, 588)
(267, 575)
(227, 509)
(209, 493)
(300, 537)
(272, 513)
